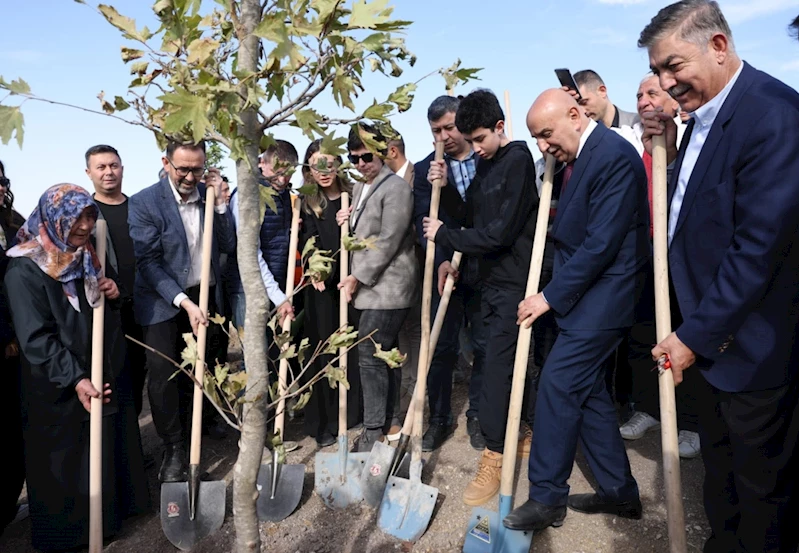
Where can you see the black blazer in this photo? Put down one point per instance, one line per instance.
(55, 342)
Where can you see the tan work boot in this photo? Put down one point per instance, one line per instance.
(486, 483)
(525, 441)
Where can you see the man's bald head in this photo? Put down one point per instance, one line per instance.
(557, 122)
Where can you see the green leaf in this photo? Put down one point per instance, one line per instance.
(11, 123)
(333, 146)
(341, 338)
(308, 120)
(372, 144)
(120, 104)
(274, 29)
(289, 352)
(355, 244)
(130, 54)
(184, 110)
(124, 24)
(217, 319)
(368, 15)
(304, 345)
(309, 247)
(378, 112)
(320, 266)
(266, 199)
(374, 42)
(201, 50)
(302, 401)
(189, 353)
(139, 68)
(393, 358)
(162, 5)
(403, 97)
(335, 375)
(344, 89)
(324, 8)
(17, 87)
(307, 189)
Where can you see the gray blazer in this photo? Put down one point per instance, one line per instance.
(389, 273)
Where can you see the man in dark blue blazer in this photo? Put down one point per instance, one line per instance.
(166, 222)
(734, 267)
(601, 245)
(466, 298)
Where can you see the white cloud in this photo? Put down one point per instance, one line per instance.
(23, 56)
(740, 11)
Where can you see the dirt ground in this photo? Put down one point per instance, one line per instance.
(313, 528)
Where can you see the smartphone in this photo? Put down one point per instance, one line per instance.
(566, 79)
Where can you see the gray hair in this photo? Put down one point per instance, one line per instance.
(696, 20)
(442, 106)
(646, 77)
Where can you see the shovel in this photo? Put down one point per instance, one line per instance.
(280, 485)
(96, 415)
(407, 505)
(384, 460)
(485, 532)
(675, 514)
(193, 510)
(337, 476)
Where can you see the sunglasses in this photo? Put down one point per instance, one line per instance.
(368, 157)
(4, 182)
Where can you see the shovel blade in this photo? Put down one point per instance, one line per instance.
(288, 492)
(485, 533)
(337, 484)
(407, 508)
(178, 527)
(376, 472)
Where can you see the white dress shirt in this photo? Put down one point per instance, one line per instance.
(703, 122)
(404, 168)
(273, 291)
(190, 211)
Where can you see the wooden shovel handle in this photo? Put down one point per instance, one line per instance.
(343, 319)
(668, 408)
(435, 334)
(283, 369)
(202, 330)
(427, 297)
(96, 416)
(523, 343)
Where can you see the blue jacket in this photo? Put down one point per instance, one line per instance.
(734, 258)
(601, 236)
(162, 254)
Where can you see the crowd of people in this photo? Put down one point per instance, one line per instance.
(733, 273)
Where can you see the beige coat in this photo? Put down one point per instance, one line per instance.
(389, 272)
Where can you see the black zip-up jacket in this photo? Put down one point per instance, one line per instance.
(500, 218)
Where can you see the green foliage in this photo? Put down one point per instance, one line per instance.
(393, 358)
(355, 244)
(11, 124)
(341, 338)
(456, 74)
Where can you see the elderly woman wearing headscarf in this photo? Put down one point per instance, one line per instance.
(53, 281)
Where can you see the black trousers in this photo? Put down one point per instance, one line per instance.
(749, 448)
(499, 316)
(136, 356)
(171, 398)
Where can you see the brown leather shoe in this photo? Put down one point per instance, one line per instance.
(525, 441)
(486, 482)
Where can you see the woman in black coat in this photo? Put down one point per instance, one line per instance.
(14, 457)
(53, 282)
(322, 300)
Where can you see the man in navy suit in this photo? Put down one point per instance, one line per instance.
(734, 267)
(166, 225)
(601, 244)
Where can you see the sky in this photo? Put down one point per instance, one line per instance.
(67, 52)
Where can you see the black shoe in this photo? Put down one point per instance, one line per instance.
(325, 439)
(591, 503)
(366, 439)
(436, 435)
(174, 466)
(476, 438)
(535, 516)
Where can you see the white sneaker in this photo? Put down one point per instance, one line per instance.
(638, 425)
(689, 444)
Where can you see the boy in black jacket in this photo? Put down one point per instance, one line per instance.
(500, 223)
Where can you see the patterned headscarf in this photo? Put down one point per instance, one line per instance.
(44, 236)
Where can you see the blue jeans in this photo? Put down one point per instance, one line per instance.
(379, 382)
(465, 300)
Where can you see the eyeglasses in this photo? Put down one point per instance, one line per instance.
(368, 157)
(4, 182)
(182, 172)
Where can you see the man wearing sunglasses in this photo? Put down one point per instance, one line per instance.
(383, 281)
(166, 225)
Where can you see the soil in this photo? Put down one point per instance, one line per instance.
(313, 528)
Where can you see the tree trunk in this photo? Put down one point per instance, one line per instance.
(253, 431)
